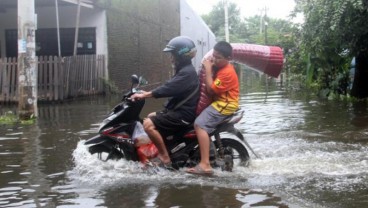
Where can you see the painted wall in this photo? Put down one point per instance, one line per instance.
(138, 31)
(193, 26)
(132, 34)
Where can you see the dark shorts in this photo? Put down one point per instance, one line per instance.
(168, 122)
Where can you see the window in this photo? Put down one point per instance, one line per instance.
(47, 45)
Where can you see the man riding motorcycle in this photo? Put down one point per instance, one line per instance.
(183, 94)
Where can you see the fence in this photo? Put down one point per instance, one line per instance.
(59, 78)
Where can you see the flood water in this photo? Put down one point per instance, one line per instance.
(312, 154)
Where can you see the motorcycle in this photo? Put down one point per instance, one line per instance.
(115, 140)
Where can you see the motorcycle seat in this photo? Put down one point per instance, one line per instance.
(234, 118)
(191, 134)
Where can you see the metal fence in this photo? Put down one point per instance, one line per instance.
(59, 78)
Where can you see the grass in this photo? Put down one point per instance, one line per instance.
(9, 118)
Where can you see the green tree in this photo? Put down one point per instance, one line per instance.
(216, 21)
(279, 32)
(247, 30)
(333, 33)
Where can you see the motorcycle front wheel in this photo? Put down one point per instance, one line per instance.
(106, 153)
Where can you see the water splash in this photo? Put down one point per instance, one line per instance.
(299, 155)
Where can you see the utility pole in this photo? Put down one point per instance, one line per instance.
(265, 24)
(226, 21)
(265, 36)
(77, 29)
(27, 63)
(260, 20)
(58, 26)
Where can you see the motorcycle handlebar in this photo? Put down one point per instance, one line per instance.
(127, 97)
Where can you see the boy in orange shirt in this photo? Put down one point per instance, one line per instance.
(223, 85)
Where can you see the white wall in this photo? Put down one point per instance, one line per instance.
(46, 18)
(193, 26)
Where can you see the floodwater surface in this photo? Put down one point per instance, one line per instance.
(311, 154)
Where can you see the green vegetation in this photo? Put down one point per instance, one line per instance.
(333, 33)
(318, 52)
(110, 87)
(9, 118)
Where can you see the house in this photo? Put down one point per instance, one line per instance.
(130, 35)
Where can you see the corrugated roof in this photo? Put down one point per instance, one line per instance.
(12, 4)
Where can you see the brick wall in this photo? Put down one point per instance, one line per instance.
(137, 32)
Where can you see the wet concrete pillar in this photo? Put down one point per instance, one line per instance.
(27, 63)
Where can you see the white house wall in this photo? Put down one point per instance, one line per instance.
(46, 18)
(193, 26)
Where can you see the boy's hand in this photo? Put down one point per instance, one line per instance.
(208, 63)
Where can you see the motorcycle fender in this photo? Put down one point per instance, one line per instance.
(238, 134)
(98, 139)
(231, 129)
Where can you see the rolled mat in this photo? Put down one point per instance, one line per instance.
(266, 59)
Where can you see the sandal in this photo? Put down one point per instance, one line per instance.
(198, 170)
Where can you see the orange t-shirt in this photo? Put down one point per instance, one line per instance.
(226, 88)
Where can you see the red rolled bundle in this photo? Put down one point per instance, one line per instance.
(266, 59)
(204, 99)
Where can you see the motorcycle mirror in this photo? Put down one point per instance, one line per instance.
(142, 81)
(135, 79)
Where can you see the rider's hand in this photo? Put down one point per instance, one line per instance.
(140, 95)
(137, 96)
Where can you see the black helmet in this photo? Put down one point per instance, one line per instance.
(182, 47)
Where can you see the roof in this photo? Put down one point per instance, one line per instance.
(12, 4)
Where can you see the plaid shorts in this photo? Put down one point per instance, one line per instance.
(209, 119)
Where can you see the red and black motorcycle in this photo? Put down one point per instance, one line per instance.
(115, 139)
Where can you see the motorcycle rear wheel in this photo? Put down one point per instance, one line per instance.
(234, 151)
